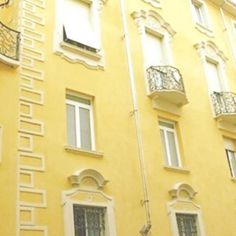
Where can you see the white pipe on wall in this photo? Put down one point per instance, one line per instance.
(146, 227)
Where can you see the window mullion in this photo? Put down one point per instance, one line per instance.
(167, 147)
(77, 117)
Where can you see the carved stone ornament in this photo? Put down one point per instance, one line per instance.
(77, 177)
(152, 20)
(182, 190)
(210, 49)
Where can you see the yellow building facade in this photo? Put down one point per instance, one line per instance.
(118, 118)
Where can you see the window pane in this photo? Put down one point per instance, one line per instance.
(199, 14)
(164, 146)
(172, 149)
(85, 128)
(79, 220)
(153, 50)
(71, 125)
(166, 124)
(187, 224)
(89, 221)
(232, 162)
(213, 77)
(77, 24)
(78, 99)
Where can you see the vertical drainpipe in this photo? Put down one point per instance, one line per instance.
(147, 226)
(227, 32)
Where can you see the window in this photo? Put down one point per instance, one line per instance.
(154, 51)
(169, 143)
(79, 122)
(213, 77)
(230, 149)
(200, 15)
(89, 221)
(185, 215)
(187, 224)
(81, 35)
(88, 210)
(77, 35)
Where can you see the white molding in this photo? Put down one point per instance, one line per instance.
(42, 193)
(42, 229)
(177, 169)
(77, 177)
(33, 92)
(105, 201)
(83, 151)
(41, 158)
(154, 3)
(75, 54)
(30, 140)
(31, 176)
(31, 212)
(188, 206)
(32, 122)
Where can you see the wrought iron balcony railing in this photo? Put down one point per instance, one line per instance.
(224, 103)
(9, 42)
(4, 3)
(164, 78)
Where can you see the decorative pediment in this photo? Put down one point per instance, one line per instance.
(210, 49)
(152, 20)
(182, 191)
(81, 176)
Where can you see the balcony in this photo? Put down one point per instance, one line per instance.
(224, 104)
(9, 45)
(166, 83)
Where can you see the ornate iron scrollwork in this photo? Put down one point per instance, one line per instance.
(5, 3)
(224, 102)
(164, 78)
(9, 42)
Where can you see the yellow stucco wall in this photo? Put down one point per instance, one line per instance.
(35, 167)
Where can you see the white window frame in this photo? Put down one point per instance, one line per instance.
(175, 224)
(220, 73)
(232, 170)
(183, 203)
(78, 105)
(205, 26)
(172, 130)
(70, 213)
(87, 193)
(75, 54)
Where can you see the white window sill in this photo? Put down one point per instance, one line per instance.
(176, 169)
(83, 151)
(204, 29)
(81, 51)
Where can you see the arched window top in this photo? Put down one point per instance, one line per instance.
(210, 49)
(79, 176)
(182, 190)
(152, 20)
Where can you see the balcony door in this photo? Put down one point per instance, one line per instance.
(154, 55)
(213, 77)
